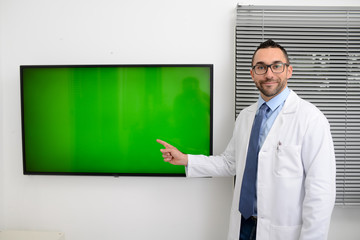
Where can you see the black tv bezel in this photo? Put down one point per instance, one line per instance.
(113, 174)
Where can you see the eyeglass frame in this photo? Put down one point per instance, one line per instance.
(269, 66)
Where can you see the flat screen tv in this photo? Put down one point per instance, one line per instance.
(105, 119)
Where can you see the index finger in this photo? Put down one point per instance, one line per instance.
(165, 144)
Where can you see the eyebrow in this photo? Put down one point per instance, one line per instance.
(261, 62)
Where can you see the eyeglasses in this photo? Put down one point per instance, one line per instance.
(261, 69)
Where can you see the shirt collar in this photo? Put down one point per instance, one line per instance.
(276, 101)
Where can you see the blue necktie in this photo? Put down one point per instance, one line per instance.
(248, 187)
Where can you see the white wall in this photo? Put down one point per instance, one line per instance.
(113, 31)
(126, 31)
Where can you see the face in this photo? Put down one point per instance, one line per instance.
(270, 84)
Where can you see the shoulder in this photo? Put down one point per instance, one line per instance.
(248, 111)
(304, 108)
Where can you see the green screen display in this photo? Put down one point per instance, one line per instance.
(104, 120)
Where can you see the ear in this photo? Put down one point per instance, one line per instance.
(289, 71)
(252, 73)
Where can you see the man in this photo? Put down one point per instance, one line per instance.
(285, 184)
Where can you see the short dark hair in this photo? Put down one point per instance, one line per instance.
(271, 44)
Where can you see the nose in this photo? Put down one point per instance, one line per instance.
(269, 73)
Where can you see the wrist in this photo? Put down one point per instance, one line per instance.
(186, 159)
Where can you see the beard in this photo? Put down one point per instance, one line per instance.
(271, 92)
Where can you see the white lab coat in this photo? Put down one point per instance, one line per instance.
(296, 173)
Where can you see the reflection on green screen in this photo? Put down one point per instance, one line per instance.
(106, 119)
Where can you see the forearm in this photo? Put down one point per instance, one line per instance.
(213, 166)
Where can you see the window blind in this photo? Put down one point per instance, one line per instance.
(323, 44)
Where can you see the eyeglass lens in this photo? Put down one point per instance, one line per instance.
(263, 68)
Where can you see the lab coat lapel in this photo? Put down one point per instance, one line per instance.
(290, 108)
(245, 134)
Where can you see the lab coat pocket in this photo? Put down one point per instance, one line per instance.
(287, 162)
(285, 232)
